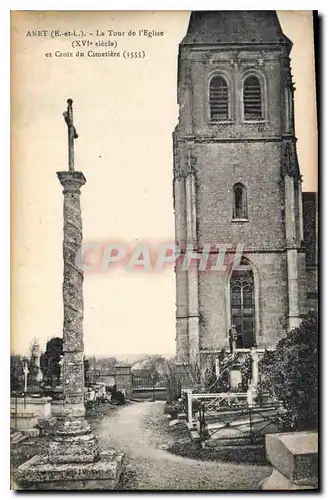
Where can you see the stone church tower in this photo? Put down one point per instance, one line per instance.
(237, 182)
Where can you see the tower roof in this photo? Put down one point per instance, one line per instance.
(234, 27)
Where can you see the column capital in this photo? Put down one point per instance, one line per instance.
(71, 181)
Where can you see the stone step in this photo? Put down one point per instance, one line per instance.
(17, 437)
(34, 432)
(194, 435)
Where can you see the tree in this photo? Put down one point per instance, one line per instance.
(204, 377)
(50, 360)
(155, 366)
(200, 376)
(86, 364)
(290, 375)
(107, 363)
(32, 377)
(16, 373)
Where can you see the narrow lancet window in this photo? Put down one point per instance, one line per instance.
(239, 202)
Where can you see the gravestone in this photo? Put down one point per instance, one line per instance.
(235, 378)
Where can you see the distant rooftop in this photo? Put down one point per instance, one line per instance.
(233, 26)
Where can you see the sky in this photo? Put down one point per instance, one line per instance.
(125, 111)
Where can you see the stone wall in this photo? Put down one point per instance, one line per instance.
(258, 166)
(311, 288)
(123, 379)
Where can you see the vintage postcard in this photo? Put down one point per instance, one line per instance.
(164, 233)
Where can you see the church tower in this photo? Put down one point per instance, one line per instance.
(237, 182)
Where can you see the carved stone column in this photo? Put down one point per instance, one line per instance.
(73, 461)
(74, 441)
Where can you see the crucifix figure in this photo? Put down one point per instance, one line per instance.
(72, 134)
(232, 338)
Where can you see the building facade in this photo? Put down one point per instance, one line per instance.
(237, 184)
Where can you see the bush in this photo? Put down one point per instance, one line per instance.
(117, 396)
(173, 408)
(16, 374)
(290, 375)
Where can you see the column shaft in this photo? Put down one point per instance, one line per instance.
(193, 304)
(73, 441)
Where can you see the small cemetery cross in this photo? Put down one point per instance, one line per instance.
(26, 372)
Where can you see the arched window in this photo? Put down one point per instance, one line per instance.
(219, 99)
(242, 307)
(252, 98)
(239, 202)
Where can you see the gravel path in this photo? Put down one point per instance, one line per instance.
(136, 429)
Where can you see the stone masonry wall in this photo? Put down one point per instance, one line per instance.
(257, 165)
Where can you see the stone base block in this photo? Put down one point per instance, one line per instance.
(293, 454)
(278, 481)
(33, 433)
(74, 449)
(294, 457)
(23, 421)
(39, 474)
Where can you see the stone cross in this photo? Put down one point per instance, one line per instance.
(72, 134)
(26, 372)
(73, 461)
(73, 441)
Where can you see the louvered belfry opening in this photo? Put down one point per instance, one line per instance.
(219, 99)
(252, 99)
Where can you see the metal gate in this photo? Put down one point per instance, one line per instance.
(146, 388)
